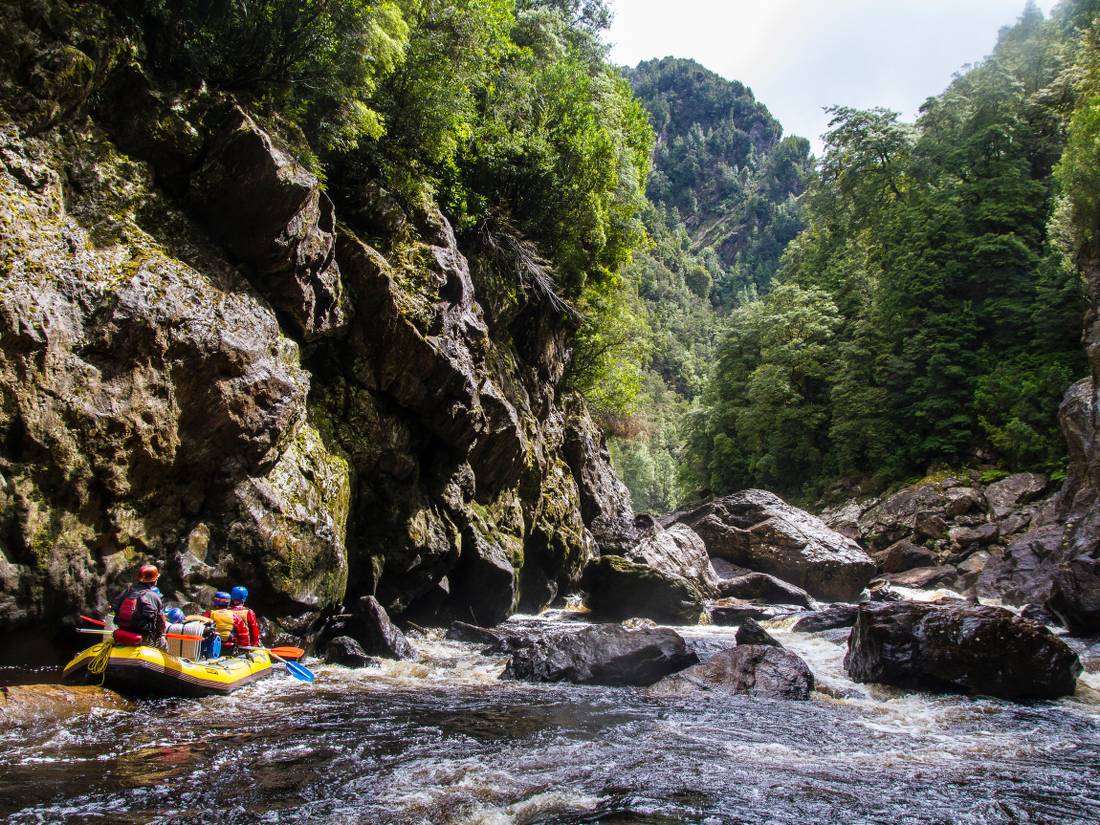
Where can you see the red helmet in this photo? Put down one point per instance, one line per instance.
(148, 573)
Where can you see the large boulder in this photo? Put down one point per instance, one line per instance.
(368, 624)
(607, 654)
(677, 551)
(758, 530)
(751, 670)
(344, 650)
(978, 649)
(619, 589)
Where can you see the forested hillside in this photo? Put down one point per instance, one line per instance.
(724, 191)
(928, 314)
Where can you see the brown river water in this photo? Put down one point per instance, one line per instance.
(443, 740)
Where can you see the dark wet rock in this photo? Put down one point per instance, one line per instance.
(751, 633)
(730, 612)
(619, 589)
(764, 588)
(1075, 594)
(892, 519)
(1005, 495)
(752, 670)
(677, 551)
(486, 574)
(922, 577)
(607, 654)
(380, 636)
(34, 705)
(344, 650)
(981, 534)
(929, 525)
(1024, 572)
(504, 638)
(758, 530)
(970, 569)
(1038, 613)
(833, 616)
(270, 213)
(879, 590)
(369, 625)
(903, 555)
(959, 501)
(979, 649)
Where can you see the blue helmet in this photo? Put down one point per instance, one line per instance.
(221, 599)
(155, 589)
(175, 615)
(239, 594)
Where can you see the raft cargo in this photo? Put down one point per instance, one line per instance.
(145, 670)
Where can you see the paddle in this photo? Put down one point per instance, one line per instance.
(299, 672)
(287, 652)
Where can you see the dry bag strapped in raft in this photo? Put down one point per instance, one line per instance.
(125, 638)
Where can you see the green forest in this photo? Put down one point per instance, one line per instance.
(910, 302)
(746, 314)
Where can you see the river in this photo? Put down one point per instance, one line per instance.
(443, 740)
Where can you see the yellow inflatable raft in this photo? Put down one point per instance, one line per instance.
(146, 670)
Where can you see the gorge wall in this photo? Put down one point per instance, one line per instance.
(205, 364)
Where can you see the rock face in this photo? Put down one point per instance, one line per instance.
(750, 670)
(621, 589)
(758, 530)
(979, 649)
(1006, 540)
(602, 655)
(203, 364)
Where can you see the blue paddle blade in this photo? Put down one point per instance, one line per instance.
(300, 672)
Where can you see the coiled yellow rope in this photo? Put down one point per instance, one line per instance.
(98, 665)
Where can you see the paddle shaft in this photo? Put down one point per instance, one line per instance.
(166, 635)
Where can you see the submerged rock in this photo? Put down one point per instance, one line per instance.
(758, 530)
(33, 705)
(752, 670)
(620, 589)
(344, 650)
(972, 648)
(606, 654)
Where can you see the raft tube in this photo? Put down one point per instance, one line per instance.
(146, 670)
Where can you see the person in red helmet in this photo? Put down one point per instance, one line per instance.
(237, 598)
(139, 609)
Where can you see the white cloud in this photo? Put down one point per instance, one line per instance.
(799, 56)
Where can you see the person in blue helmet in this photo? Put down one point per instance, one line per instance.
(238, 596)
(174, 615)
(230, 626)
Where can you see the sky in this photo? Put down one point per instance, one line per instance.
(799, 56)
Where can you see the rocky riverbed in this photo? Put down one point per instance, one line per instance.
(443, 739)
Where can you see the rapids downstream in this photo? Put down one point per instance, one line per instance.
(443, 740)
